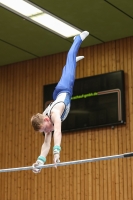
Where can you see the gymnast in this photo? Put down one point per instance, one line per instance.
(57, 111)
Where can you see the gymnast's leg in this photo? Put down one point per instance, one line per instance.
(66, 82)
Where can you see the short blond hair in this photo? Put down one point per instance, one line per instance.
(36, 121)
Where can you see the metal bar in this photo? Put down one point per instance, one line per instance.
(69, 163)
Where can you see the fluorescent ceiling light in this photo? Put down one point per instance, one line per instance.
(21, 7)
(41, 17)
(55, 25)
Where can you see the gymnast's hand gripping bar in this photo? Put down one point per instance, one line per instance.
(125, 155)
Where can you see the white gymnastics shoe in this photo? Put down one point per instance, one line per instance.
(84, 34)
(79, 58)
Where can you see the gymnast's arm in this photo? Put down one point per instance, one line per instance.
(56, 113)
(46, 145)
(57, 137)
(57, 128)
(44, 152)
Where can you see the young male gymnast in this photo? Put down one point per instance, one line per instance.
(51, 119)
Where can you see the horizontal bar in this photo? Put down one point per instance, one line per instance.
(69, 163)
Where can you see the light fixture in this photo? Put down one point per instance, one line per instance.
(21, 7)
(55, 25)
(41, 17)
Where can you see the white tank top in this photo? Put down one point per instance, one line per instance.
(62, 97)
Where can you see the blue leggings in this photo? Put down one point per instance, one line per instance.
(66, 82)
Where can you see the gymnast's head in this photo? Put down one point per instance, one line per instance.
(41, 123)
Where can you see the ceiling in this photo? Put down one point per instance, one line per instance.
(106, 20)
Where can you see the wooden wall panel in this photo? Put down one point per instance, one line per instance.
(21, 95)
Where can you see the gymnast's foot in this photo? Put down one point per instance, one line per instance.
(84, 34)
(79, 58)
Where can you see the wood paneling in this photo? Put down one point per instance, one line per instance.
(21, 95)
